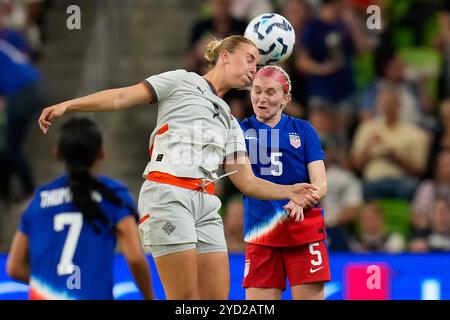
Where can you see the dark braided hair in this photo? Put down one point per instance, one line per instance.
(79, 144)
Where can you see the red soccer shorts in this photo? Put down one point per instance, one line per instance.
(268, 267)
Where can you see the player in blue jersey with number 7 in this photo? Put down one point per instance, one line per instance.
(280, 244)
(65, 244)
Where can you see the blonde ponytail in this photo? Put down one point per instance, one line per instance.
(213, 51)
(230, 44)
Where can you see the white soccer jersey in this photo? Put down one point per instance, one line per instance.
(195, 130)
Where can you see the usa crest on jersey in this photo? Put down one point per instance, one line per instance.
(294, 139)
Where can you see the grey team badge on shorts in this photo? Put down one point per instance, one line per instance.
(168, 227)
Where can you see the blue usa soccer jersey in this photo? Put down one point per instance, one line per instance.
(68, 259)
(281, 155)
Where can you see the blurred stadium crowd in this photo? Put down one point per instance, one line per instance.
(379, 100)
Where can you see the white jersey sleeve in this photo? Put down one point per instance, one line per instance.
(235, 144)
(164, 84)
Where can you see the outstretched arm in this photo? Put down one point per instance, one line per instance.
(302, 194)
(106, 100)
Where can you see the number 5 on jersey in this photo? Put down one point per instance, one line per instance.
(276, 166)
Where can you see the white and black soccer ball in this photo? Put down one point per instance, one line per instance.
(273, 35)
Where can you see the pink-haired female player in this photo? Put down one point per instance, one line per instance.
(282, 246)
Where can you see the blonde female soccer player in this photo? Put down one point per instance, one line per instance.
(195, 134)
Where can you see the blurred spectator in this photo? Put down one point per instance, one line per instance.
(361, 6)
(4, 167)
(428, 190)
(437, 237)
(442, 42)
(248, 9)
(345, 193)
(344, 189)
(219, 25)
(21, 87)
(321, 118)
(26, 16)
(373, 36)
(372, 236)
(441, 139)
(328, 45)
(12, 36)
(342, 203)
(390, 70)
(233, 223)
(297, 12)
(411, 21)
(390, 153)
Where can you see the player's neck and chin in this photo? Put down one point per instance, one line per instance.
(222, 84)
(271, 122)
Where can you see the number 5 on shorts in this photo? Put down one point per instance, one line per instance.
(315, 252)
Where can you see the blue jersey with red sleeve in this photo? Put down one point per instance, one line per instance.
(281, 155)
(68, 259)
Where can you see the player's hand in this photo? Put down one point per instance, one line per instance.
(304, 195)
(48, 114)
(294, 211)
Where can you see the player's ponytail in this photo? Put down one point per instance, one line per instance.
(230, 44)
(80, 184)
(213, 51)
(79, 144)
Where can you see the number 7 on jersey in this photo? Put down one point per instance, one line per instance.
(75, 222)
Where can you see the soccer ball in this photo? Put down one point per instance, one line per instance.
(273, 35)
